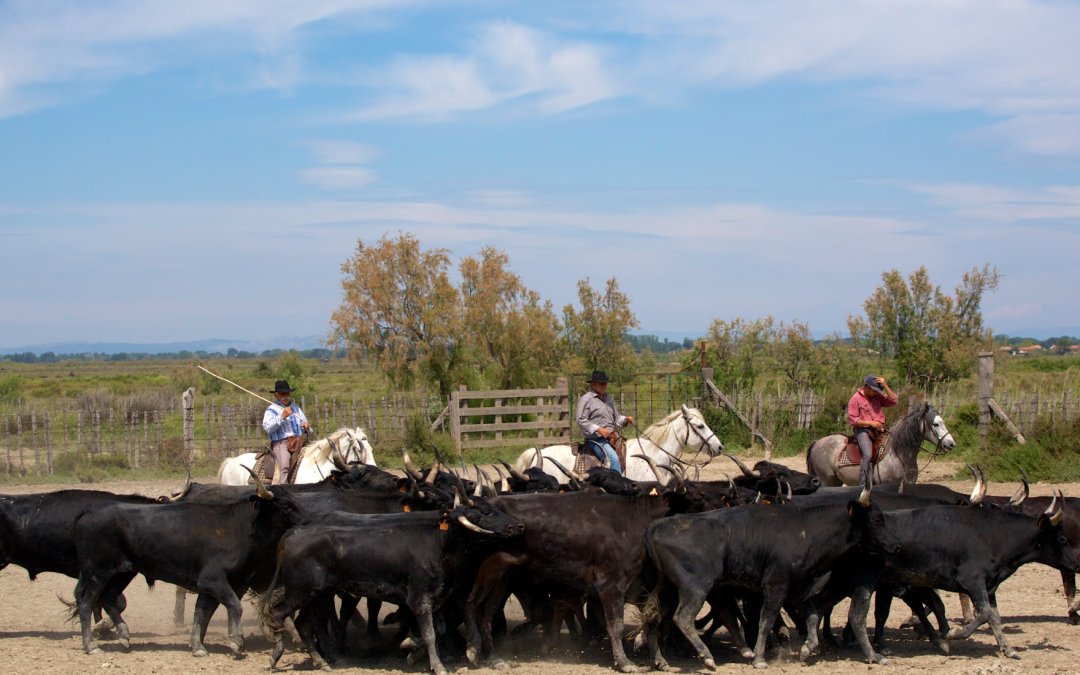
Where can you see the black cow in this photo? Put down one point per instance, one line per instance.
(219, 550)
(972, 551)
(590, 541)
(415, 560)
(783, 553)
(770, 478)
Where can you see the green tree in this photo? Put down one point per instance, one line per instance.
(400, 308)
(931, 336)
(513, 335)
(595, 332)
(737, 351)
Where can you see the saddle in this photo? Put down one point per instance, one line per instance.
(265, 465)
(852, 456)
(585, 457)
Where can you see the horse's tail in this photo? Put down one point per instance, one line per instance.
(221, 469)
(525, 461)
(810, 464)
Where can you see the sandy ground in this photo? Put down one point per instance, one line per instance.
(36, 638)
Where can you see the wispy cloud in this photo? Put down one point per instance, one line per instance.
(1006, 204)
(342, 152)
(341, 165)
(338, 177)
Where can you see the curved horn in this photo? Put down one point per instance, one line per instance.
(680, 486)
(514, 472)
(746, 472)
(184, 490)
(864, 497)
(1053, 511)
(409, 468)
(468, 525)
(503, 484)
(479, 491)
(488, 491)
(335, 454)
(655, 469)
(1022, 492)
(788, 495)
(539, 459)
(460, 487)
(757, 500)
(259, 487)
(572, 475)
(977, 492)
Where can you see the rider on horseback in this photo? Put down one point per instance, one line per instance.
(598, 419)
(868, 420)
(284, 420)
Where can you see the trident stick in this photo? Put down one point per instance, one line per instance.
(261, 398)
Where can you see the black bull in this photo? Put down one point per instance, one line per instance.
(220, 550)
(781, 552)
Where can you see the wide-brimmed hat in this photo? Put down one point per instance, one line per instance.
(599, 377)
(871, 381)
(282, 386)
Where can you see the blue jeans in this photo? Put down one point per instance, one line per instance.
(601, 447)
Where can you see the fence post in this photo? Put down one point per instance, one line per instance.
(563, 401)
(455, 416)
(7, 432)
(188, 401)
(986, 392)
(18, 430)
(33, 435)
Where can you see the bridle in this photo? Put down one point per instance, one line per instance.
(704, 440)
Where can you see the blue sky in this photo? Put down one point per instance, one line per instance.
(183, 170)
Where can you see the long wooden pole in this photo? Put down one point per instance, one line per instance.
(238, 386)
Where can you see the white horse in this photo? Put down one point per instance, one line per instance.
(661, 443)
(316, 463)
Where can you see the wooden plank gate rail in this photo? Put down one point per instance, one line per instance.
(551, 408)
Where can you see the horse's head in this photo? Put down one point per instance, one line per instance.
(698, 433)
(934, 429)
(360, 449)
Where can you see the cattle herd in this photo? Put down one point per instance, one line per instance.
(449, 547)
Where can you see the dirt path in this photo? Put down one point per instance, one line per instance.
(36, 638)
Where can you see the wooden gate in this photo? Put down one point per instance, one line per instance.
(478, 419)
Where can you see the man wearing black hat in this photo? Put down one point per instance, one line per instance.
(867, 418)
(284, 420)
(599, 420)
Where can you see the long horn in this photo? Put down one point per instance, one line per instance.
(514, 472)
(504, 485)
(572, 475)
(788, 495)
(1055, 511)
(977, 492)
(655, 469)
(469, 525)
(864, 497)
(184, 490)
(746, 472)
(1022, 492)
(409, 468)
(680, 486)
(460, 487)
(539, 459)
(259, 487)
(339, 460)
(479, 490)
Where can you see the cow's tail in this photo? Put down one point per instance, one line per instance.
(265, 608)
(810, 464)
(72, 608)
(649, 611)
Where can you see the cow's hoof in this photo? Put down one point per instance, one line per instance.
(125, 643)
(804, 653)
(1074, 618)
(953, 634)
(761, 664)
(879, 659)
(414, 657)
(94, 650)
(499, 664)
(199, 653)
(1012, 654)
(747, 653)
(709, 663)
(472, 656)
(409, 643)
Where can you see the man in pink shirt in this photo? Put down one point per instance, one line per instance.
(865, 414)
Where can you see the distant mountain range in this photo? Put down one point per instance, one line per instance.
(215, 345)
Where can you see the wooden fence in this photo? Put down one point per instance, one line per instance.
(540, 417)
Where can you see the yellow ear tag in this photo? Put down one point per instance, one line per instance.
(401, 489)
(851, 510)
(408, 509)
(443, 525)
(653, 492)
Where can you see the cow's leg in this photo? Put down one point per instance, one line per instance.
(882, 607)
(87, 597)
(770, 612)
(178, 607)
(614, 601)
(421, 608)
(726, 611)
(112, 604)
(919, 600)
(691, 599)
(860, 607)
(205, 605)
(981, 601)
(488, 590)
(811, 617)
(348, 611)
(374, 606)
(1068, 583)
(293, 599)
(305, 626)
(965, 607)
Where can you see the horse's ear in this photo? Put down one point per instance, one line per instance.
(926, 406)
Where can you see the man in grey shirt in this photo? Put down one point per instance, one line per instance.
(599, 420)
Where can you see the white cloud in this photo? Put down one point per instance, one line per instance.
(342, 152)
(338, 177)
(1005, 204)
(502, 198)
(1016, 311)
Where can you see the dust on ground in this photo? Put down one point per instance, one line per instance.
(35, 636)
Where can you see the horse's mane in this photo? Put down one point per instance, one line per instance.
(319, 451)
(907, 433)
(659, 432)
